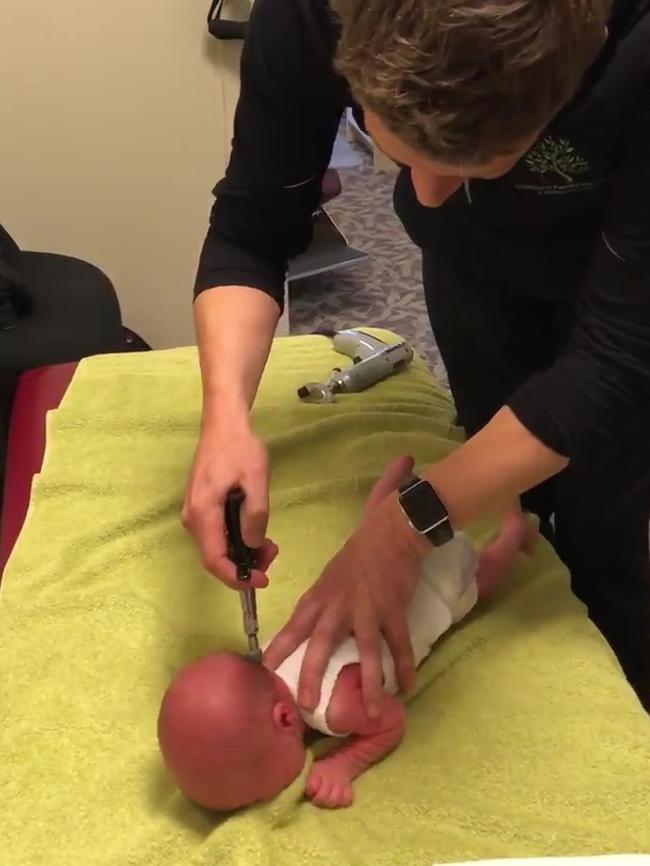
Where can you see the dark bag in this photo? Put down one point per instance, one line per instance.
(14, 301)
(223, 28)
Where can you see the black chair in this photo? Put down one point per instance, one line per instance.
(53, 309)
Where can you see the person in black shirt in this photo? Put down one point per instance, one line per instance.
(522, 128)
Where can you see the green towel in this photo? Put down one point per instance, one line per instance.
(523, 738)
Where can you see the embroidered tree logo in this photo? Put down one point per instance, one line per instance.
(557, 156)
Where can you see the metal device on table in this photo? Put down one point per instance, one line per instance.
(244, 559)
(372, 361)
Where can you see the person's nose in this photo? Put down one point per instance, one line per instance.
(432, 191)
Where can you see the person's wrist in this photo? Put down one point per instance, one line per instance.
(398, 529)
(228, 412)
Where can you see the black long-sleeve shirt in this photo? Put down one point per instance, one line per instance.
(571, 220)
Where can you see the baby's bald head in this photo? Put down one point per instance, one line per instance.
(229, 732)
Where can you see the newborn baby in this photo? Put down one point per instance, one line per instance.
(231, 732)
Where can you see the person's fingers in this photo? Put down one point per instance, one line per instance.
(396, 633)
(221, 567)
(390, 480)
(488, 574)
(532, 536)
(215, 559)
(297, 629)
(368, 638)
(258, 580)
(255, 509)
(206, 523)
(265, 555)
(325, 638)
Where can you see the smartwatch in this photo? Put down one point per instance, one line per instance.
(425, 511)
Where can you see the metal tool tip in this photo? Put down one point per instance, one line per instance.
(255, 656)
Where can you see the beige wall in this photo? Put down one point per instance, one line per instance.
(116, 119)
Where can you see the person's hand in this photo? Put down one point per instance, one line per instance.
(364, 591)
(224, 459)
(517, 532)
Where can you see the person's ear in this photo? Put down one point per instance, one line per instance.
(285, 717)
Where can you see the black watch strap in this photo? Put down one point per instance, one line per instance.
(425, 511)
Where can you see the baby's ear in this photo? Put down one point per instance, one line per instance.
(285, 716)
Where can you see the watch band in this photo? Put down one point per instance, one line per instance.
(425, 511)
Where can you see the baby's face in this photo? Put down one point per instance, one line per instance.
(229, 732)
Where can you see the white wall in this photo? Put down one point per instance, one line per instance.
(115, 123)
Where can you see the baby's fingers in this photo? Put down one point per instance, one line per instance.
(312, 784)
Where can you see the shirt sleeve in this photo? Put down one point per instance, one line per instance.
(285, 124)
(603, 376)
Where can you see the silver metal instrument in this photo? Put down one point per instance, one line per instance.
(372, 361)
(244, 559)
(251, 625)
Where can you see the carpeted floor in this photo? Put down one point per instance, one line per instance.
(386, 291)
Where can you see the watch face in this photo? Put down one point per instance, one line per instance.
(424, 508)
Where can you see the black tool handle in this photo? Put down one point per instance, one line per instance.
(242, 555)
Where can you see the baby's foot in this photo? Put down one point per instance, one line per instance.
(329, 785)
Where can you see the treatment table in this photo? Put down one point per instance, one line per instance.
(523, 738)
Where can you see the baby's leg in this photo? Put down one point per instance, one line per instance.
(330, 781)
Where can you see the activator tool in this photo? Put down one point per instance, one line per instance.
(372, 361)
(244, 559)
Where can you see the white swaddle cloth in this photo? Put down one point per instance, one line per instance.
(445, 593)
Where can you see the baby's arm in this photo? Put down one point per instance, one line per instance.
(330, 781)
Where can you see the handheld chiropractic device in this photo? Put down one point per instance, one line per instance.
(372, 361)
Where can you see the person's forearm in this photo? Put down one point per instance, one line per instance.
(234, 328)
(491, 469)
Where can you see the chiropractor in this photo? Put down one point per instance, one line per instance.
(522, 129)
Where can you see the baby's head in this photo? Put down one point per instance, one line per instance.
(229, 732)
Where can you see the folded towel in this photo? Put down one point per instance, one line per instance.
(523, 737)
(596, 860)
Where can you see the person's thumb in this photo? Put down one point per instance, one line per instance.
(393, 475)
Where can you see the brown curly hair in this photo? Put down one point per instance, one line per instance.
(463, 81)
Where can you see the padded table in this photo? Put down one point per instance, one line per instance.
(524, 740)
(38, 391)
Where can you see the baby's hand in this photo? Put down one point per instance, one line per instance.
(329, 784)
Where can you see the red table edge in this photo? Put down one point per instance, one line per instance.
(38, 391)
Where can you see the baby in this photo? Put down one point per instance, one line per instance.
(231, 732)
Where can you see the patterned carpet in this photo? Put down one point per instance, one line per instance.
(386, 291)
